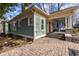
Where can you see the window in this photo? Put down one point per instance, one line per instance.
(18, 23)
(24, 22)
(14, 26)
(42, 24)
(30, 22)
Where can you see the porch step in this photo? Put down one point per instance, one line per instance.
(56, 35)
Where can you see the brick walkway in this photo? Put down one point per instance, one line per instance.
(43, 47)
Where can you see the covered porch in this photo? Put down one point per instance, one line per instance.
(61, 21)
(57, 28)
(60, 24)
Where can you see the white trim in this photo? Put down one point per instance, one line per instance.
(41, 10)
(68, 35)
(40, 36)
(36, 37)
(34, 24)
(42, 19)
(66, 24)
(27, 36)
(70, 21)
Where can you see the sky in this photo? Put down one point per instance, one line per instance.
(18, 8)
(11, 15)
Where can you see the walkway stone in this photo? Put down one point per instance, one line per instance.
(43, 47)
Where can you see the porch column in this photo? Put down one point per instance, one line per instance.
(70, 21)
(51, 26)
(66, 22)
(69, 24)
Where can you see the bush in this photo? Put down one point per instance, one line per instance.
(76, 30)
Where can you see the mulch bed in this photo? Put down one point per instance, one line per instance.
(10, 42)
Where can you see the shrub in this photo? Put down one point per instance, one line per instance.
(75, 30)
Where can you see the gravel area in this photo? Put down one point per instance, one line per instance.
(43, 47)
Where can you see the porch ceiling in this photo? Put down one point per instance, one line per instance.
(62, 13)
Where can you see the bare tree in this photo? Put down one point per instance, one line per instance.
(60, 5)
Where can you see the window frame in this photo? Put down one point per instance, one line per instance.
(29, 23)
(14, 26)
(42, 24)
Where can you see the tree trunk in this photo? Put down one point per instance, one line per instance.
(58, 6)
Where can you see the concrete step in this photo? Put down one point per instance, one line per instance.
(55, 35)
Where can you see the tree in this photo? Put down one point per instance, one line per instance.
(60, 5)
(6, 7)
(25, 5)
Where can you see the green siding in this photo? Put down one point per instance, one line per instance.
(9, 27)
(29, 30)
(23, 29)
(46, 26)
(38, 26)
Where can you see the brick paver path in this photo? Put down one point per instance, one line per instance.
(43, 47)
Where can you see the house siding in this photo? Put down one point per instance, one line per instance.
(47, 29)
(38, 31)
(23, 29)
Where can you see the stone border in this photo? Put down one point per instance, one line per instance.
(68, 37)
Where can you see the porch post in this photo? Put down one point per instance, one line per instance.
(70, 22)
(48, 26)
(66, 22)
(51, 26)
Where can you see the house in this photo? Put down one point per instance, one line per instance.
(35, 23)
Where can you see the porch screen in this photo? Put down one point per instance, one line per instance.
(61, 25)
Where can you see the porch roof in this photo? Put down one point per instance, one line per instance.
(62, 13)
